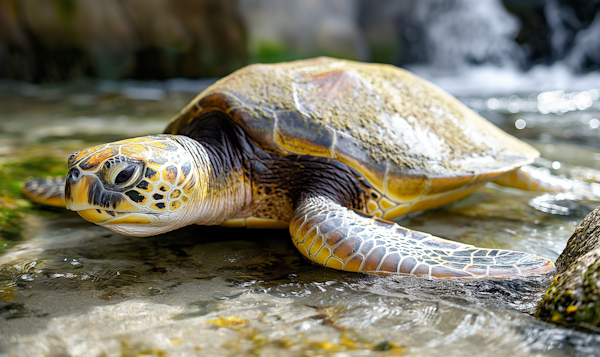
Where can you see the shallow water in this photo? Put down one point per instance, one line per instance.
(71, 288)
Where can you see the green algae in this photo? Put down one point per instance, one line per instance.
(14, 208)
(574, 297)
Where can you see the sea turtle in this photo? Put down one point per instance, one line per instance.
(331, 149)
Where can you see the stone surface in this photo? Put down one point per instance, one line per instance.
(585, 239)
(574, 296)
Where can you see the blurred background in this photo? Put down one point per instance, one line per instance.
(57, 40)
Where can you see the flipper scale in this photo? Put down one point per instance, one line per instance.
(345, 239)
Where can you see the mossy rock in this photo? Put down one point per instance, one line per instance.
(574, 296)
(585, 239)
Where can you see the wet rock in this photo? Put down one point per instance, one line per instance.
(585, 239)
(574, 296)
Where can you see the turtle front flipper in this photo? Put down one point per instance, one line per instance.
(48, 191)
(332, 235)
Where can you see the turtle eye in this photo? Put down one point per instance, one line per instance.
(125, 175)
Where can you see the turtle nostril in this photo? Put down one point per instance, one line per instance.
(74, 174)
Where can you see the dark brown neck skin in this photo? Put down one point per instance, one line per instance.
(272, 184)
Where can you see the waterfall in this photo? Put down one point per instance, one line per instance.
(454, 35)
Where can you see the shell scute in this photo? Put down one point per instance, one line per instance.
(403, 187)
(374, 118)
(295, 133)
(224, 101)
(447, 184)
(350, 151)
(259, 127)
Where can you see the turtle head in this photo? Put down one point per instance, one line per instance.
(140, 187)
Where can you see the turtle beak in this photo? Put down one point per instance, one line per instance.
(77, 191)
(85, 194)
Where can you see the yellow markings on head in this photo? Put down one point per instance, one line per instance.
(145, 186)
(169, 174)
(186, 168)
(164, 145)
(151, 174)
(125, 206)
(184, 199)
(159, 206)
(175, 194)
(174, 205)
(84, 153)
(96, 159)
(80, 192)
(137, 151)
(136, 197)
(94, 215)
(163, 187)
(159, 145)
(157, 158)
(138, 140)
